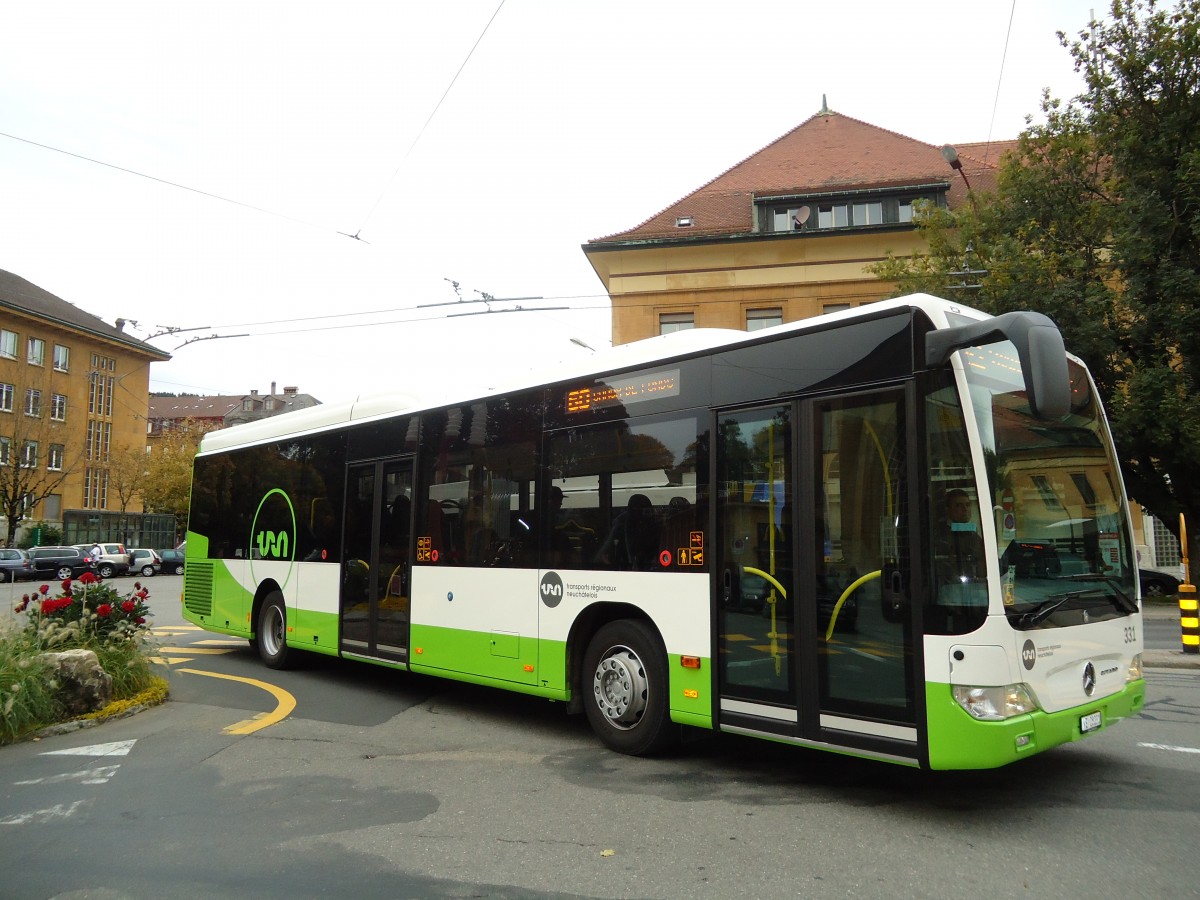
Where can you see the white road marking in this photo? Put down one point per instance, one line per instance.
(99, 775)
(42, 816)
(1169, 747)
(116, 748)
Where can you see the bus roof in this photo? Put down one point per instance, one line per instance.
(679, 344)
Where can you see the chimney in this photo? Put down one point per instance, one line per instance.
(291, 390)
(253, 392)
(272, 389)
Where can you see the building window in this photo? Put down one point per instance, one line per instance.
(757, 319)
(672, 322)
(55, 460)
(33, 403)
(29, 455)
(6, 397)
(821, 213)
(833, 307)
(58, 407)
(36, 352)
(62, 358)
(8, 344)
(5, 451)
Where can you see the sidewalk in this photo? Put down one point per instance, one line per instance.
(1166, 659)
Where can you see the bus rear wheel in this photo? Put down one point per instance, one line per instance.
(625, 688)
(271, 637)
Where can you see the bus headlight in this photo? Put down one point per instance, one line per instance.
(992, 704)
(1135, 668)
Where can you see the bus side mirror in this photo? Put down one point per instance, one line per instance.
(1039, 346)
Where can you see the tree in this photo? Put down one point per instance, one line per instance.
(168, 479)
(1095, 222)
(126, 475)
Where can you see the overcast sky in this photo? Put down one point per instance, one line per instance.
(477, 141)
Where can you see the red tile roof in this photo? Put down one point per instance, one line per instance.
(828, 152)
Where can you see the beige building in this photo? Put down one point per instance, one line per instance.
(73, 393)
(785, 234)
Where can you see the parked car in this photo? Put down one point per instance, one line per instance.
(58, 562)
(1157, 584)
(147, 562)
(14, 565)
(114, 559)
(172, 561)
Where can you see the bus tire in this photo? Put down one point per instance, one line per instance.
(271, 636)
(625, 688)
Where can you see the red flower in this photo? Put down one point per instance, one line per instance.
(66, 586)
(44, 589)
(128, 606)
(140, 620)
(49, 607)
(20, 607)
(89, 578)
(103, 610)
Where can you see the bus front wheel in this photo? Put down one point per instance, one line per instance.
(625, 688)
(272, 632)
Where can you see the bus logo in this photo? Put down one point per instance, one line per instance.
(1028, 655)
(551, 589)
(271, 544)
(273, 536)
(1089, 679)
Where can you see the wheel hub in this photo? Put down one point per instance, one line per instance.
(620, 687)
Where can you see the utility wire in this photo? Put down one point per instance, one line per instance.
(174, 184)
(999, 80)
(413, 145)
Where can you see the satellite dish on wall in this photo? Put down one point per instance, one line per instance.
(800, 217)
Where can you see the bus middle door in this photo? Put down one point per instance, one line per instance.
(376, 568)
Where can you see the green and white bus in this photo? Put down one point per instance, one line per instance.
(897, 532)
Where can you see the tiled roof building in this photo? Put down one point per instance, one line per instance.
(787, 232)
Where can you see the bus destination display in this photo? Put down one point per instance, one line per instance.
(618, 391)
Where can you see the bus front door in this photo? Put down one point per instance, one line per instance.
(376, 560)
(814, 631)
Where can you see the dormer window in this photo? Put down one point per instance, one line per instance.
(683, 222)
(847, 209)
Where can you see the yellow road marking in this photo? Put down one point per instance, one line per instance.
(199, 651)
(286, 703)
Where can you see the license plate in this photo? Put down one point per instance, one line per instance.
(1090, 722)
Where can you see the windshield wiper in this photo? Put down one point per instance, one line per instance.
(1119, 598)
(1043, 610)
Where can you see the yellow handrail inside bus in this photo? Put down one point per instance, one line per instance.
(774, 633)
(837, 607)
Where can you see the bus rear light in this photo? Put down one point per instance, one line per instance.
(994, 704)
(690, 662)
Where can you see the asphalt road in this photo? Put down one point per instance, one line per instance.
(382, 784)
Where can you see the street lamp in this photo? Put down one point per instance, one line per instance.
(951, 156)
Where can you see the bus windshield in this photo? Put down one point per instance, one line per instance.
(1065, 554)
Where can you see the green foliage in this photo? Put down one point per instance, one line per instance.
(48, 535)
(27, 697)
(1095, 221)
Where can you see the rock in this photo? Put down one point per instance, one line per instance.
(83, 686)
